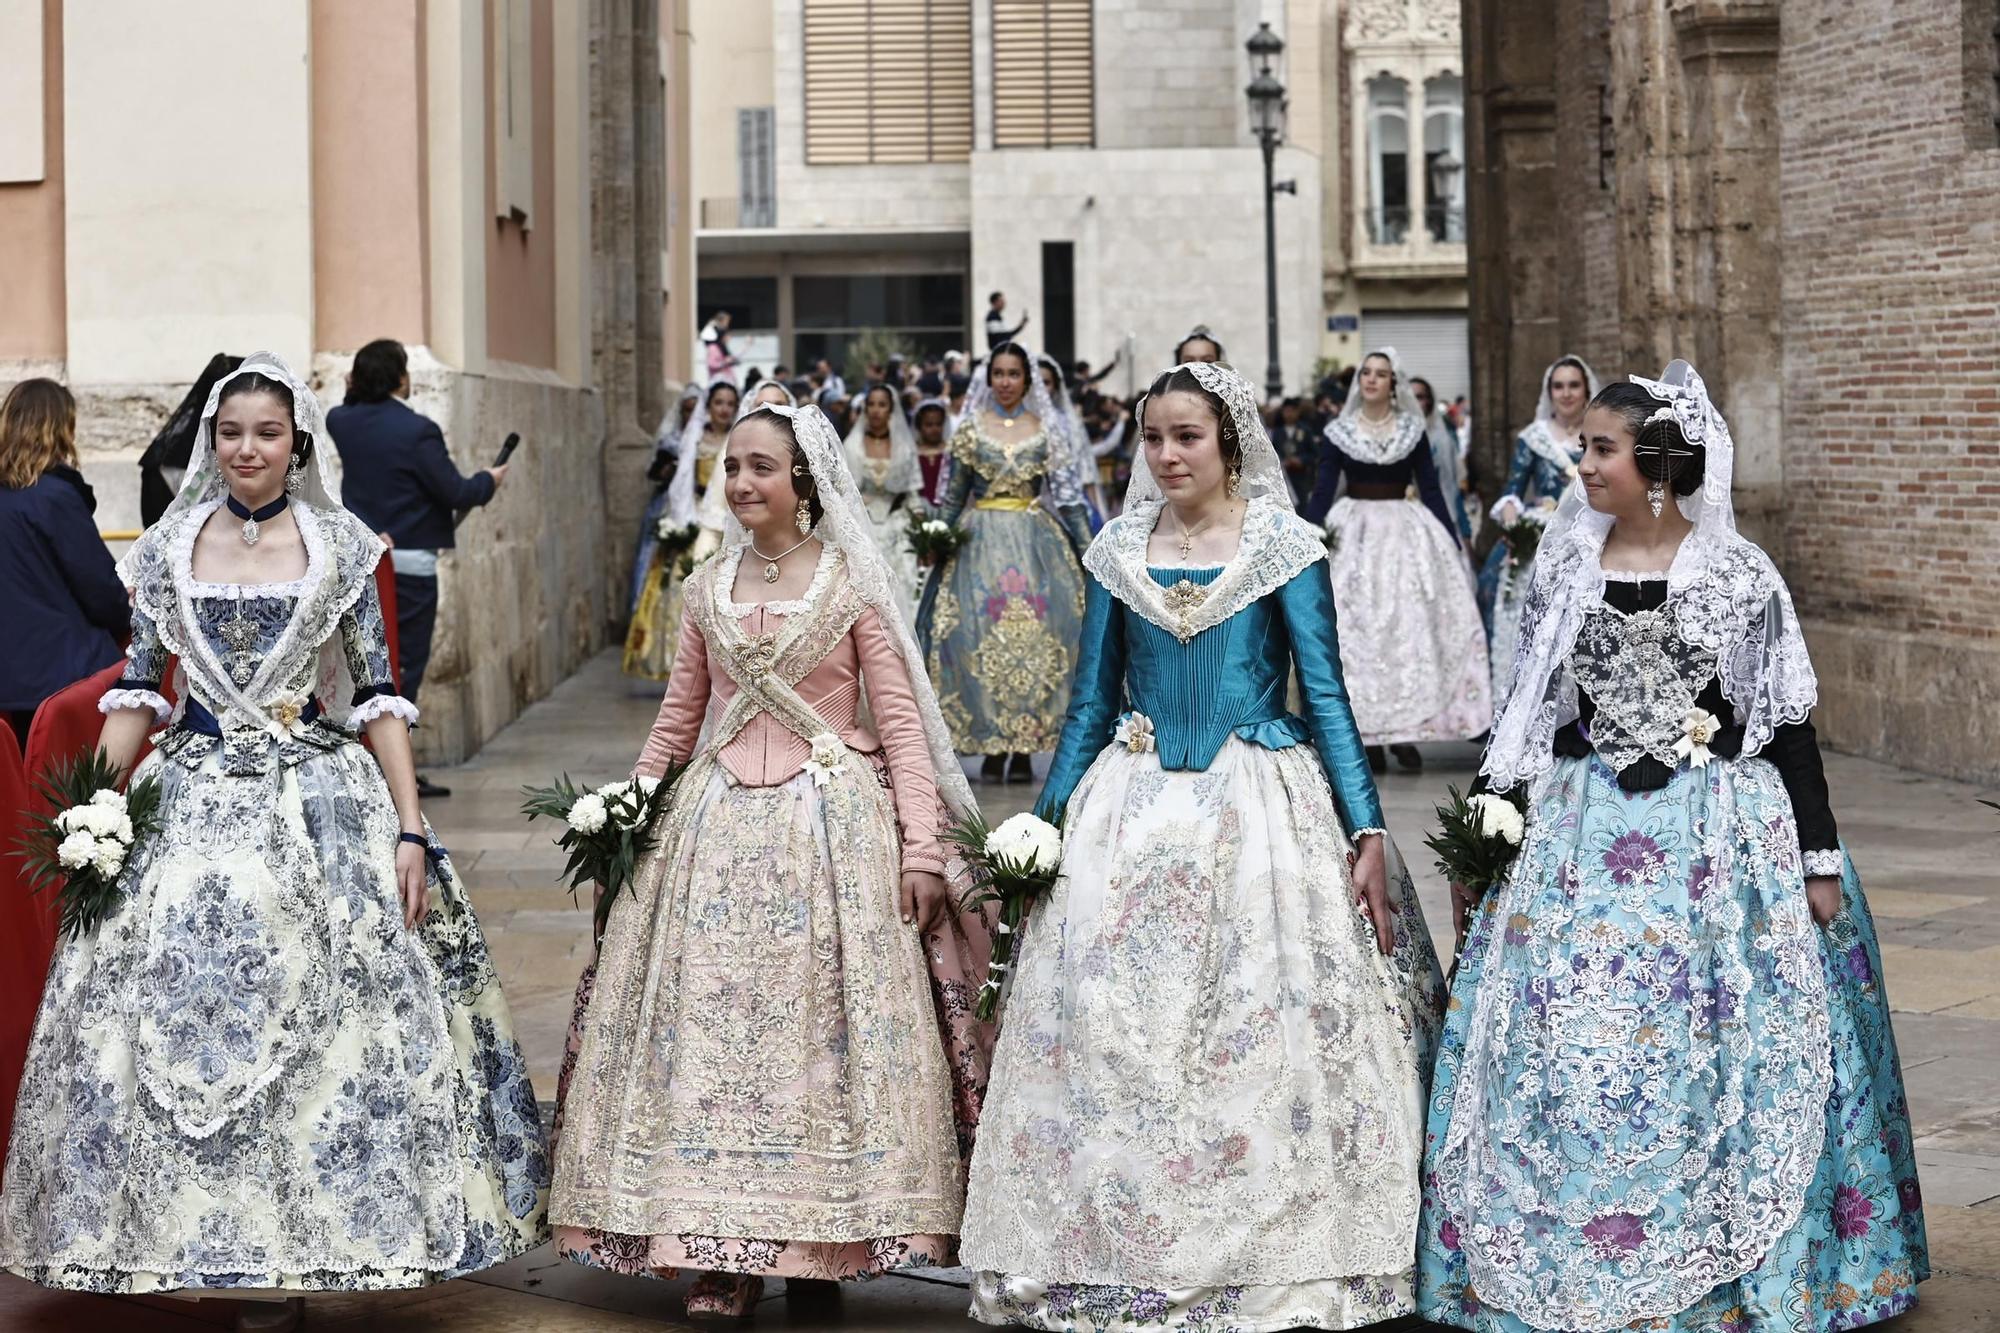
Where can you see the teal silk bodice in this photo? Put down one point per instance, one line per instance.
(1228, 680)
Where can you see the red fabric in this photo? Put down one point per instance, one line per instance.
(385, 587)
(27, 935)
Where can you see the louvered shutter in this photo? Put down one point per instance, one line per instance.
(1042, 77)
(756, 167)
(888, 81)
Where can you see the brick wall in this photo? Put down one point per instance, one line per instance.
(1891, 316)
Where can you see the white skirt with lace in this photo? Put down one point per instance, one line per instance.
(1206, 1102)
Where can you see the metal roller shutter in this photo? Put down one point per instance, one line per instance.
(1432, 344)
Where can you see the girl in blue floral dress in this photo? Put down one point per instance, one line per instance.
(1667, 1093)
(282, 1061)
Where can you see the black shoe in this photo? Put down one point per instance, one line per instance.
(1021, 770)
(994, 769)
(1407, 756)
(430, 791)
(1378, 763)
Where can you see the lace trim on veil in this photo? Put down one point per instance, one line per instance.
(1275, 546)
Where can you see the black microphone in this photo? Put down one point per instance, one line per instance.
(507, 447)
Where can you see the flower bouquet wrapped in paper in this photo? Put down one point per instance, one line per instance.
(606, 831)
(1478, 837)
(933, 539)
(1012, 865)
(82, 850)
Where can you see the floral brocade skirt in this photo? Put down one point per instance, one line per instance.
(1412, 649)
(1664, 1097)
(1000, 624)
(655, 628)
(252, 1075)
(768, 1072)
(1207, 1098)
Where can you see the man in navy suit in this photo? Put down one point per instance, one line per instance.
(398, 477)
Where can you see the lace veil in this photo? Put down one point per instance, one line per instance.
(683, 506)
(1345, 430)
(1263, 473)
(904, 476)
(1540, 433)
(1733, 603)
(844, 524)
(1069, 469)
(159, 566)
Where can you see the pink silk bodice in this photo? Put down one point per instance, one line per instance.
(766, 753)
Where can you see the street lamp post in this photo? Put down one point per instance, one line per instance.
(1267, 120)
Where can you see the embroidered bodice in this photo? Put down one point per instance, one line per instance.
(823, 649)
(252, 653)
(985, 469)
(1540, 468)
(1345, 456)
(1208, 653)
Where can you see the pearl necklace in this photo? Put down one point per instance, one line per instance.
(771, 561)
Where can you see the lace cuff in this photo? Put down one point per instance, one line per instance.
(114, 700)
(1825, 861)
(1360, 833)
(382, 705)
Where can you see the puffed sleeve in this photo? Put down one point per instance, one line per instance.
(365, 643)
(1094, 699)
(963, 475)
(678, 724)
(901, 726)
(1307, 602)
(145, 666)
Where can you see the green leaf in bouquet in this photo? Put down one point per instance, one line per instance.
(83, 896)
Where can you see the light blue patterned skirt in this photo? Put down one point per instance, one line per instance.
(1662, 1092)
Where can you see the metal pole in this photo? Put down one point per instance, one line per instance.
(1274, 378)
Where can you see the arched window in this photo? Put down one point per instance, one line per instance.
(1444, 158)
(1388, 160)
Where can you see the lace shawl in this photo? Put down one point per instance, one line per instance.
(1275, 546)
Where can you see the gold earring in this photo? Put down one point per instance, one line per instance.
(1235, 482)
(803, 517)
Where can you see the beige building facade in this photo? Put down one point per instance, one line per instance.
(484, 180)
(1796, 195)
(888, 166)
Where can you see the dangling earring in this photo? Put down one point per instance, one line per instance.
(803, 517)
(1656, 496)
(1235, 482)
(295, 477)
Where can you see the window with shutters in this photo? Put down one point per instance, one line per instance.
(1042, 78)
(756, 167)
(888, 81)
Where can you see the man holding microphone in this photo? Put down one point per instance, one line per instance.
(398, 477)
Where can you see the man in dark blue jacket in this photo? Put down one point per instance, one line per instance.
(397, 475)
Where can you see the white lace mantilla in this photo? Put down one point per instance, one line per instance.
(1276, 544)
(1727, 603)
(1542, 441)
(1391, 448)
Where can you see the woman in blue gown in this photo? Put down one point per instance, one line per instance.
(1545, 458)
(1667, 1095)
(1205, 1108)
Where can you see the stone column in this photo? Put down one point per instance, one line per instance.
(1726, 238)
(1514, 241)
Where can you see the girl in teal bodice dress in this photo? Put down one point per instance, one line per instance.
(1667, 1094)
(1205, 1110)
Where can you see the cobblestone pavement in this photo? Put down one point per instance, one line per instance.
(1929, 855)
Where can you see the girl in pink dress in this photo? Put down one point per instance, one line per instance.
(774, 1070)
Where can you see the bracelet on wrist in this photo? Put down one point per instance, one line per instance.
(415, 839)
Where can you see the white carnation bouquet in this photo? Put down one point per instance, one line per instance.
(1012, 865)
(607, 830)
(82, 850)
(1479, 836)
(932, 539)
(676, 544)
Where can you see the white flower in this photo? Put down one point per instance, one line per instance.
(589, 814)
(828, 757)
(77, 850)
(1498, 818)
(108, 796)
(1135, 733)
(100, 821)
(1698, 728)
(288, 712)
(937, 527)
(647, 786)
(611, 791)
(1027, 842)
(110, 859)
